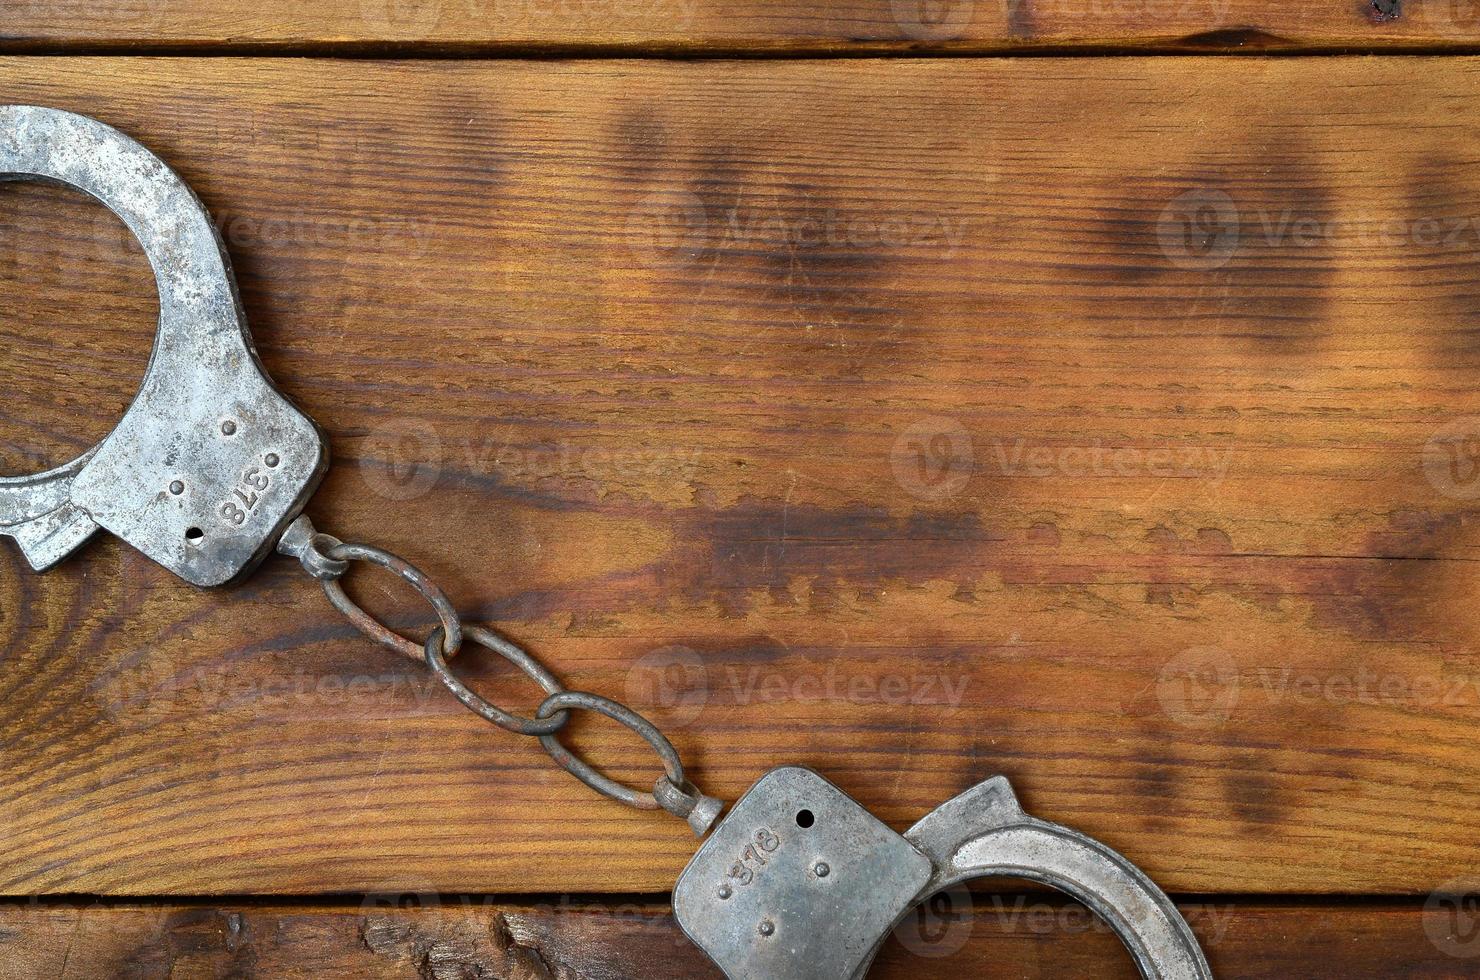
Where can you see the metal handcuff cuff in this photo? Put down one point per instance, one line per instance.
(209, 470)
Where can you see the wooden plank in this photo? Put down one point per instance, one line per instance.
(454, 937)
(1238, 644)
(714, 26)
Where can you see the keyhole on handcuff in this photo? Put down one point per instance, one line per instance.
(78, 312)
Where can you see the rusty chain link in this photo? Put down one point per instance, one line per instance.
(328, 559)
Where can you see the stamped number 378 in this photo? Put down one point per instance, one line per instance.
(753, 858)
(246, 496)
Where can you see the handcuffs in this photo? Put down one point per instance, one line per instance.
(208, 472)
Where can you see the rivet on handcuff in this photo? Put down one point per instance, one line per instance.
(209, 471)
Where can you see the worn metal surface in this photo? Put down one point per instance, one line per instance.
(480, 705)
(451, 630)
(681, 802)
(801, 883)
(209, 464)
(984, 833)
(303, 541)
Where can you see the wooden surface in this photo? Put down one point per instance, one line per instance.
(749, 26)
(451, 938)
(1114, 432)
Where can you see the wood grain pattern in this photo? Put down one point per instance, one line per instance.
(457, 937)
(749, 26)
(790, 378)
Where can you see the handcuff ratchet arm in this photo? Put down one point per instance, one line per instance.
(985, 833)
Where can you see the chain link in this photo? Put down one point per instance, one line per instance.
(480, 706)
(452, 634)
(623, 715)
(328, 559)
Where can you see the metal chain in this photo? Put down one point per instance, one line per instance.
(328, 559)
